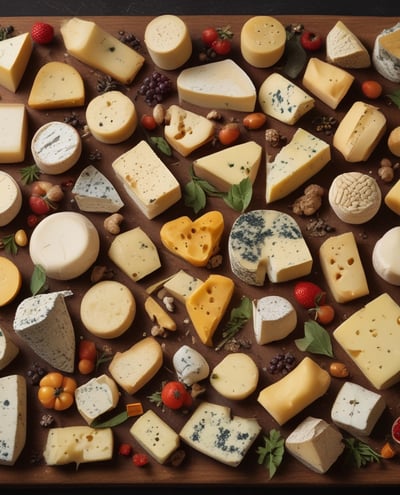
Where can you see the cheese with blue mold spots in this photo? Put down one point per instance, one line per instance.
(190, 366)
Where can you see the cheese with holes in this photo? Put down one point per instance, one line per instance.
(43, 322)
(298, 389)
(230, 166)
(268, 243)
(10, 281)
(8, 349)
(326, 81)
(136, 366)
(186, 131)
(92, 45)
(69, 233)
(386, 53)
(262, 41)
(93, 192)
(13, 413)
(371, 339)
(342, 267)
(57, 85)
(10, 198)
(214, 432)
(134, 253)
(78, 444)
(274, 318)
(221, 85)
(207, 305)
(15, 53)
(182, 285)
(147, 180)
(359, 132)
(190, 366)
(344, 48)
(385, 256)
(283, 100)
(13, 132)
(168, 41)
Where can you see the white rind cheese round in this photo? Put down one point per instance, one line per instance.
(386, 54)
(190, 366)
(385, 256)
(56, 147)
(274, 318)
(65, 244)
(10, 198)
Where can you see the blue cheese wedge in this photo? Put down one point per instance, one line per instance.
(190, 366)
(8, 349)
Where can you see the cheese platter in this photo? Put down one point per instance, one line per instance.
(219, 259)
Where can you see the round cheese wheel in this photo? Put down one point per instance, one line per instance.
(111, 117)
(262, 41)
(56, 147)
(10, 281)
(385, 257)
(108, 309)
(65, 244)
(393, 141)
(10, 198)
(168, 41)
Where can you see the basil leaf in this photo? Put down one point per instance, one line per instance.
(295, 57)
(395, 97)
(316, 339)
(194, 196)
(114, 421)
(38, 280)
(161, 144)
(239, 195)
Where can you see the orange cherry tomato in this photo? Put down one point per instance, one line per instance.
(56, 391)
(254, 120)
(229, 133)
(371, 89)
(87, 350)
(86, 366)
(324, 314)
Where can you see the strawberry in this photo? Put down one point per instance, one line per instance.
(308, 294)
(140, 459)
(42, 33)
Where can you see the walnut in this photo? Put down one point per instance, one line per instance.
(272, 137)
(386, 173)
(310, 202)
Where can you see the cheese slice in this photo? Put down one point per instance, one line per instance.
(8, 349)
(13, 132)
(10, 198)
(15, 53)
(343, 48)
(221, 85)
(10, 281)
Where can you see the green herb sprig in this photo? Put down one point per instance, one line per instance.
(238, 318)
(395, 97)
(359, 453)
(29, 174)
(316, 339)
(271, 454)
(109, 423)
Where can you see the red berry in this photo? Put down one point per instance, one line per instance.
(39, 205)
(222, 46)
(140, 459)
(308, 294)
(148, 122)
(209, 35)
(125, 449)
(42, 33)
(310, 41)
(32, 220)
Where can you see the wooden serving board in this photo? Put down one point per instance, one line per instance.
(198, 469)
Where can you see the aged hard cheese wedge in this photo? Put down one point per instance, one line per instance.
(13, 412)
(159, 315)
(385, 256)
(295, 391)
(8, 349)
(15, 53)
(274, 318)
(371, 338)
(222, 85)
(147, 180)
(212, 431)
(190, 366)
(386, 53)
(268, 243)
(303, 157)
(89, 43)
(10, 281)
(10, 198)
(344, 49)
(13, 132)
(182, 285)
(392, 197)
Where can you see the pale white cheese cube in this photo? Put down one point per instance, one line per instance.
(274, 318)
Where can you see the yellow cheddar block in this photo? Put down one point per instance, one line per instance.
(15, 53)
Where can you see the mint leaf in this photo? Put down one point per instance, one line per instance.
(316, 339)
(194, 196)
(395, 97)
(239, 195)
(38, 280)
(161, 144)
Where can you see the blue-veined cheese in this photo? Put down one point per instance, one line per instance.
(93, 192)
(15, 53)
(8, 349)
(13, 418)
(268, 243)
(283, 100)
(182, 285)
(221, 85)
(343, 48)
(10, 198)
(385, 256)
(190, 366)
(147, 180)
(274, 318)
(302, 158)
(212, 431)
(13, 132)
(44, 323)
(386, 53)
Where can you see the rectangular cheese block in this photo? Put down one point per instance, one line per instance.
(15, 53)
(182, 285)
(147, 180)
(342, 267)
(371, 338)
(13, 132)
(302, 158)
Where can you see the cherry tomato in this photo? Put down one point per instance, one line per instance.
(310, 41)
(148, 122)
(229, 133)
(174, 395)
(324, 314)
(32, 220)
(254, 120)
(39, 205)
(86, 366)
(209, 35)
(87, 350)
(371, 89)
(222, 46)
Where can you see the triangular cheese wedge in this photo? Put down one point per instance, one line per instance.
(15, 53)
(344, 49)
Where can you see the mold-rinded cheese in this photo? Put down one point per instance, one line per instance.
(134, 253)
(96, 397)
(196, 241)
(13, 413)
(10, 198)
(392, 198)
(207, 305)
(303, 157)
(357, 409)
(78, 444)
(359, 132)
(221, 85)
(89, 43)
(15, 53)
(274, 318)
(262, 41)
(8, 349)
(235, 377)
(295, 391)
(69, 233)
(343, 48)
(10, 281)
(371, 338)
(181, 285)
(133, 368)
(167, 39)
(93, 192)
(190, 366)
(230, 166)
(111, 117)
(159, 315)
(155, 436)
(283, 100)
(108, 309)
(13, 132)
(316, 444)
(56, 147)
(57, 85)
(385, 256)
(268, 243)
(386, 53)
(326, 81)
(147, 180)
(186, 131)
(44, 323)
(212, 431)
(342, 267)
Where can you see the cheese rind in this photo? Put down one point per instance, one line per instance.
(13, 132)
(15, 53)
(10, 198)
(10, 281)
(386, 53)
(274, 318)
(343, 48)
(385, 256)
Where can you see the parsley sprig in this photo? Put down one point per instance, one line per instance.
(271, 454)
(359, 453)
(238, 318)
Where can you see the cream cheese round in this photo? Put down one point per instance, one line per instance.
(385, 256)
(10, 198)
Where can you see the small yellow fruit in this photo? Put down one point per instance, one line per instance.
(20, 238)
(394, 141)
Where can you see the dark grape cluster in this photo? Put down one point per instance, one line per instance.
(36, 373)
(282, 363)
(130, 39)
(155, 88)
